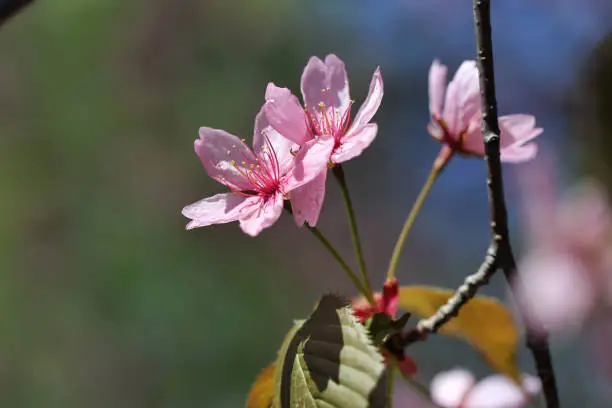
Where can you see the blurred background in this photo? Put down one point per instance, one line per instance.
(105, 299)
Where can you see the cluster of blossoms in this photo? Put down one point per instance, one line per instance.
(295, 143)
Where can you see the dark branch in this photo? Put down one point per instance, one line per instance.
(499, 255)
(8, 8)
(499, 220)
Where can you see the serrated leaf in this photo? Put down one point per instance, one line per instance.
(484, 322)
(329, 361)
(262, 390)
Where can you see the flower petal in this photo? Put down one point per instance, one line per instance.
(219, 209)
(268, 212)
(542, 293)
(270, 146)
(354, 143)
(497, 391)
(307, 200)
(372, 101)
(449, 388)
(437, 87)
(286, 115)
(311, 160)
(462, 98)
(319, 76)
(516, 133)
(219, 152)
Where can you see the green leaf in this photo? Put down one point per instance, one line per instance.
(484, 322)
(329, 361)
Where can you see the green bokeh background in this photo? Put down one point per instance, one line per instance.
(105, 300)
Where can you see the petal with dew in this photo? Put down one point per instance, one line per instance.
(219, 151)
(219, 209)
(307, 200)
(268, 212)
(286, 115)
(354, 143)
(311, 160)
(449, 388)
(325, 82)
(437, 87)
(498, 391)
(372, 101)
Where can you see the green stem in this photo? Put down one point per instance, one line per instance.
(317, 233)
(397, 251)
(339, 174)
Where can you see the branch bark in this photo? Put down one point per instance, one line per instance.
(499, 254)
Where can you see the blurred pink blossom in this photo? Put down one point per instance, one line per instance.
(458, 388)
(567, 273)
(455, 118)
(326, 112)
(260, 179)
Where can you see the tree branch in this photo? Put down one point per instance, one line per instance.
(499, 254)
(499, 220)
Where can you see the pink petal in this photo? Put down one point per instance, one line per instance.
(437, 87)
(307, 200)
(217, 149)
(542, 293)
(268, 212)
(354, 143)
(319, 76)
(372, 102)
(462, 98)
(516, 133)
(286, 115)
(449, 388)
(311, 160)
(268, 140)
(219, 209)
(472, 141)
(497, 391)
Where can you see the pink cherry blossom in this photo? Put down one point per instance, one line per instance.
(259, 178)
(326, 112)
(455, 118)
(458, 388)
(567, 272)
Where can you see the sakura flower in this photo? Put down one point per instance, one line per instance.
(455, 118)
(259, 178)
(326, 112)
(567, 273)
(386, 302)
(458, 388)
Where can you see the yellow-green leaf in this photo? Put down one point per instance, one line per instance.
(262, 390)
(484, 322)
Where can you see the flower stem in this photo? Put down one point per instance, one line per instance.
(416, 207)
(339, 174)
(317, 233)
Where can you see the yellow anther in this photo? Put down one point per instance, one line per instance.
(233, 146)
(321, 104)
(323, 90)
(233, 162)
(244, 163)
(252, 165)
(243, 140)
